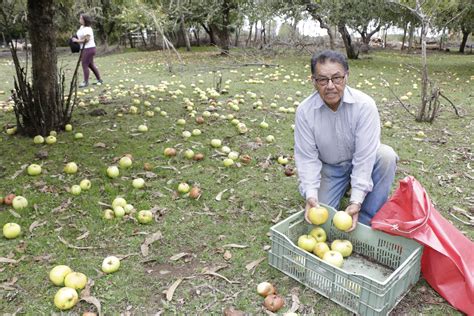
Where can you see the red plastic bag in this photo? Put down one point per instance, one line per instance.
(447, 262)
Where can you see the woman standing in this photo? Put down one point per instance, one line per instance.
(85, 35)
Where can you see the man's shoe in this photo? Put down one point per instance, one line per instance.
(99, 82)
(83, 85)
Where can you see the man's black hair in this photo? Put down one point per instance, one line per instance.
(332, 56)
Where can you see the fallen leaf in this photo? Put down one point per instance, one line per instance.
(22, 168)
(148, 241)
(179, 256)
(227, 255)
(7, 260)
(74, 247)
(231, 311)
(36, 224)
(94, 301)
(15, 214)
(100, 145)
(295, 305)
(61, 208)
(171, 289)
(277, 219)
(85, 235)
(254, 263)
(219, 195)
(234, 246)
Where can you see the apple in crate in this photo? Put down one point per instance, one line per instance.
(307, 242)
(320, 249)
(333, 258)
(319, 234)
(342, 246)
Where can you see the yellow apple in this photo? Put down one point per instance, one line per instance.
(58, 273)
(318, 215)
(319, 234)
(320, 249)
(66, 298)
(342, 246)
(342, 220)
(333, 258)
(307, 242)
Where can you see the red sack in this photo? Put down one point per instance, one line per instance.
(447, 262)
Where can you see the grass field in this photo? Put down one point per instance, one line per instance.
(227, 227)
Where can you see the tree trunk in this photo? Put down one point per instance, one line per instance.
(346, 37)
(44, 65)
(411, 34)
(250, 34)
(237, 35)
(184, 33)
(256, 33)
(196, 36)
(423, 113)
(465, 35)
(404, 36)
(210, 32)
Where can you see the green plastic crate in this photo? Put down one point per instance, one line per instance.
(371, 282)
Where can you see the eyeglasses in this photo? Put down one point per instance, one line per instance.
(325, 81)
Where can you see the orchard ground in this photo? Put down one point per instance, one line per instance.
(227, 228)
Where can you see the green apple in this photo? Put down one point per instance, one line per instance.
(119, 211)
(70, 168)
(85, 184)
(186, 134)
(189, 154)
(53, 133)
(78, 136)
(142, 128)
(342, 220)
(58, 273)
(342, 246)
(388, 124)
(76, 189)
(38, 139)
(216, 143)
(11, 230)
(319, 234)
(128, 208)
(270, 138)
(119, 201)
(68, 127)
(318, 215)
(113, 172)
(225, 149)
(263, 124)
(19, 203)
(333, 258)
(228, 162)
(233, 155)
(66, 298)
(110, 264)
(108, 214)
(145, 217)
(242, 128)
(320, 249)
(125, 162)
(138, 183)
(34, 169)
(181, 122)
(282, 160)
(183, 187)
(307, 242)
(196, 132)
(75, 280)
(50, 140)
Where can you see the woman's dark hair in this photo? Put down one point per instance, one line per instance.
(332, 56)
(87, 19)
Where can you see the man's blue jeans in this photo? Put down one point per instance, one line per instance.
(335, 180)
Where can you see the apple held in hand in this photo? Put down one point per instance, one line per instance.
(319, 234)
(11, 230)
(307, 242)
(66, 298)
(58, 273)
(34, 169)
(342, 220)
(320, 249)
(342, 246)
(333, 258)
(113, 172)
(110, 264)
(318, 215)
(145, 217)
(75, 280)
(70, 168)
(19, 202)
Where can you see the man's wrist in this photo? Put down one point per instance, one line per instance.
(359, 205)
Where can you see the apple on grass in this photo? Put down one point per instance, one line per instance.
(282, 160)
(119, 201)
(318, 215)
(66, 298)
(50, 140)
(75, 280)
(11, 230)
(110, 264)
(183, 187)
(333, 258)
(70, 168)
(108, 214)
(34, 169)
(307, 242)
(265, 288)
(216, 143)
(342, 246)
(145, 217)
(189, 154)
(68, 127)
(58, 273)
(228, 162)
(169, 152)
(125, 162)
(138, 183)
(85, 184)
(319, 234)
(320, 249)
(76, 189)
(119, 211)
(78, 136)
(38, 139)
(19, 202)
(113, 172)
(342, 220)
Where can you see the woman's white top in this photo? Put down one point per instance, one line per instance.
(82, 32)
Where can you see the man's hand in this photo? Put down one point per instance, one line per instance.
(353, 210)
(310, 202)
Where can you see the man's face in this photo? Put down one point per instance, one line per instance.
(331, 91)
